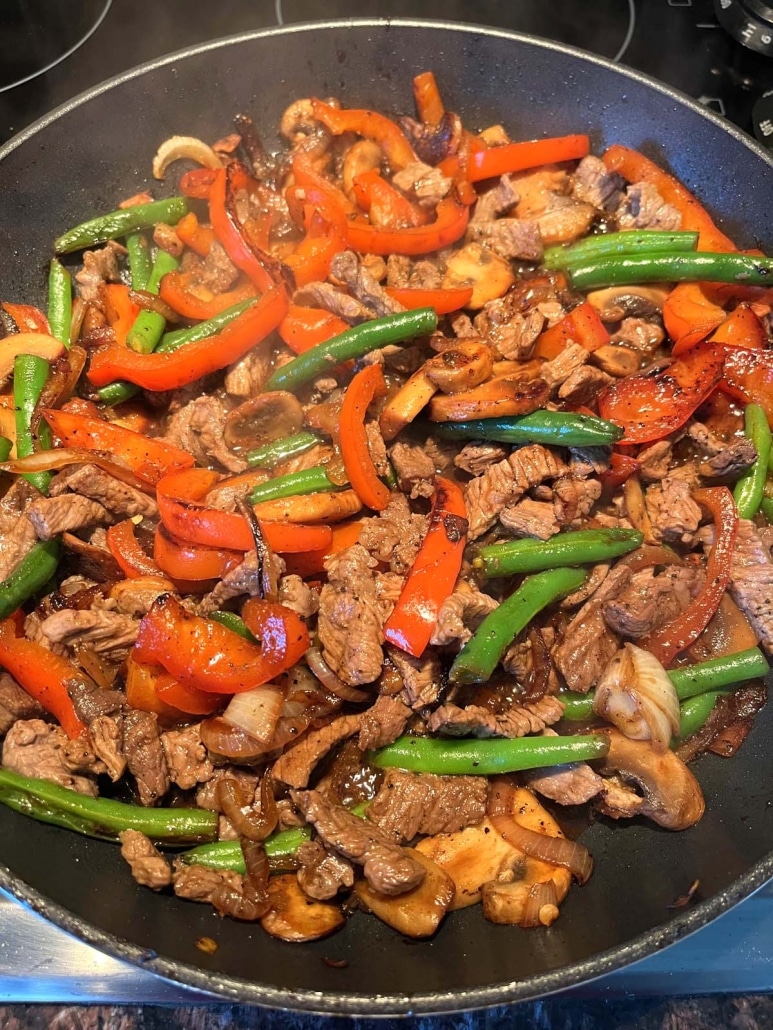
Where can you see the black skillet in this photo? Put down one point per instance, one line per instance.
(77, 163)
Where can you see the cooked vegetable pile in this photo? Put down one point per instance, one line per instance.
(372, 499)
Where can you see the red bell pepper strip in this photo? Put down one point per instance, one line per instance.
(491, 162)
(203, 654)
(367, 386)
(690, 314)
(149, 459)
(741, 328)
(621, 467)
(260, 267)
(188, 298)
(180, 506)
(443, 301)
(386, 206)
(312, 563)
(194, 235)
(303, 328)
(635, 167)
(582, 325)
(43, 674)
(125, 548)
(198, 182)
(450, 224)
(429, 104)
(28, 318)
(310, 261)
(749, 377)
(433, 573)
(281, 631)
(181, 560)
(120, 310)
(678, 634)
(313, 191)
(649, 406)
(370, 125)
(185, 698)
(195, 360)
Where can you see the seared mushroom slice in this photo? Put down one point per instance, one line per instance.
(489, 275)
(618, 302)
(494, 399)
(461, 367)
(295, 917)
(259, 420)
(310, 508)
(670, 794)
(403, 407)
(418, 912)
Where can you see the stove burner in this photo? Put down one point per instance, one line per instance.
(605, 27)
(748, 21)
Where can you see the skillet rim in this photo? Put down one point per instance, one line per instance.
(219, 986)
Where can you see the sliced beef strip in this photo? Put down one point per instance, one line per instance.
(420, 676)
(512, 333)
(348, 269)
(198, 429)
(145, 755)
(16, 703)
(594, 184)
(217, 272)
(90, 701)
(383, 722)
(414, 468)
(675, 516)
(322, 873)
(135, 597)
(731, 461)
(596, 577)
(186, 757)
(411, 803)
(388, 868)
(506, 482)
(106, 739)
(573, 498)
(246, 781)
(398, 271)
(298, 762)
(476, 457)
(247, 376)
(556, 371)
(571, 784)
(299, 596)
(244, 579)
(651, 601)
(200, 883)
(389, 586)
(148, 865)
(394, 536)
(513, 238)
(36, 748)
(349, 621)
(51, 516)
(517, 721)
(705, 439)
(751, 581)
(644, 208)
(16, 531)
(654, 461)
(640, 334)
(530, 518)
(106, 632)
(497, 201)
(324, 295)
(460, 615)
(583, 385)
(427, 184)
(99, 267)
(119, 498)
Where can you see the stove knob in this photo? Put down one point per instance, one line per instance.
(748, 21)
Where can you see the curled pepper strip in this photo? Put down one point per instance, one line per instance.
(492, 162)
(366, 386)
(185, 296)
(668, 642)
(303, 328)
(371, 125)
(450, 224)
(311, 259)
(690, 315)
(749, 377)
(433, 573)
(182, 560)
(162, 371)
(203, 654)
(129, 556)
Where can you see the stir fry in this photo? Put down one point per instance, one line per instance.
(372, 499)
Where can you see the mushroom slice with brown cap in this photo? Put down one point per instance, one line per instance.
(489, 275)
(462, 367)
(671, 796)
(295, 917)
(616, 302)
(262, 419)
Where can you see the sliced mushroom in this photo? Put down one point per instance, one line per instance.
(616, 361)
(403, 407)
(310, 508)
(40, 344)
(636, 509)
(494, 399)
(460, 367)
(618, 302)
(136, 596)
(671, 796)
(259, 420)
(363, 156)
(489, 275)
(295, 917)
(418, 912)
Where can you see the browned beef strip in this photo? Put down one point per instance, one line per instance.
(145, 755)
(16, 532)
(644, 208)
(496, 201)
(506, 482)
(728, 725)
(246, 781)
(517, 721)
(16, 703)
(349, 621)
(165, 237)
(511, 332)
(530, 518)
(420, 676)
(512, 238)
(476, 457)
(383, 722)
(322, 873)
(411, 803)
(564, 365)
(388, 868)
(583, 385)
(200, 883)
(297, 763)
(148, 865)
(247, 376)
(106, 740)
(106, 632)
(571, 784)
(99, 267)
(394, 537)
(54, 515)
(198, 429)
(731, 461)
(706, 439)
(427, 184)
(36, 748)
(90, 701)
(640, 334)
(299, 596)
(596, 577)
(324, 295)
(751, 582)
(186, 757)
(122, 500)
(217, 272)
(414, 468)
(348, 268)
(655, 461)
(460, 615)
(594, 184)
(675, 516)
(651, 601)
(573, 498)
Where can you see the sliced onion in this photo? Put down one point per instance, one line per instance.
(256, 711)
(61, 457)
(554, 850)
(637, 696)
(636, 509)
(255, 826)
(648, 555)
(220, 738)
(541, 908)
(330, 681)
(151, 302)
(176, 148)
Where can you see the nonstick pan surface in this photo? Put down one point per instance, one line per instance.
(76, 163)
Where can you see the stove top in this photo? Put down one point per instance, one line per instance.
(720, 53)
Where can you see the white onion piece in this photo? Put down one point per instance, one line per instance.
(256, 711)
(330, 681)
(178, 147)
(636, 695)
(541, 908)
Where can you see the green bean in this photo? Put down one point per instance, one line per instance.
(581, 547)
(29, 377)
(101, 817)
(180, 337)
(694, 713)
(6, 446)
(59, 302)
(148, 327)
(30, 575)
(275, 453)
(556, 428)
(689, 680)
(678, 267)
(766, 507)
(227, 854)
(486, 757)
(140, 264)
(646, 241)
(353, 343)
(232, 621)
(308, 481)
(750, 488)
(119, 223)
(480, 655)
